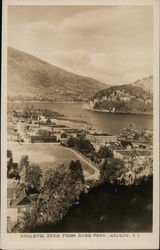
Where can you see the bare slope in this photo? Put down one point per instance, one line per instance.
(30, 78)
(145, 83)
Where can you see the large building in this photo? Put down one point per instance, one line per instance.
(41, 139)
(101, 138)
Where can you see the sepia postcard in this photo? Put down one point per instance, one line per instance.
(80, 124)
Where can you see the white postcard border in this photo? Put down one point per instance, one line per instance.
(45, 241)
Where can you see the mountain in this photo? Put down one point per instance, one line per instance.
(146, 83)
(30, 78)
(131, 98)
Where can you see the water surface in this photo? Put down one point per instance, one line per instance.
(106, 122)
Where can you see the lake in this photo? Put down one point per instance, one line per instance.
(107, 122)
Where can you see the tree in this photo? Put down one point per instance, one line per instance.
(9, 162)
(81, 144)
(54, 197)
(33, 177)
(48, 122)
(84, 146)
(22, 168)
(111, 170)
(12, 168)
(104, 152)
(9, 153)
(60, 188)
(26, 222)
(71, 142)
(76, 171)
(126, 143)
(63, 135)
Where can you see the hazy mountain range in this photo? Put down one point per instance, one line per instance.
(30, 78)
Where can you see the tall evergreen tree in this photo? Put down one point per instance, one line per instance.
(22, 168)
(76, 171)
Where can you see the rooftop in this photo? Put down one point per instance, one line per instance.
(100, 134)
(21, 196)
(12, 191)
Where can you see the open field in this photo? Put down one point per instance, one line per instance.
(47, 155)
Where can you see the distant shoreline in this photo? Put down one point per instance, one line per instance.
(46, 102)
(86, 106)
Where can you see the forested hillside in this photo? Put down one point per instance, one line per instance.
(131, 98)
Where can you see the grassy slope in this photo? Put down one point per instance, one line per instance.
(29, 77)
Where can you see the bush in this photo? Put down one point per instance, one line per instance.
(33, 177)
(81, 144)
(111, 169)
(59, 189)
(104, 152)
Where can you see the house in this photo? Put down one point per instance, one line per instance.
(17, 203)
(72, 131)
(129, 147)
(33, 128)
(96, 146)
(12, 213)
(47, 128)
(55, 128)
(135, 145)
(130, 136)
(23, 202)
(41, 118)
(117, 155)
(11, 194)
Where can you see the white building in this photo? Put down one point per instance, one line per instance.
(12, 214)
(101, 138)
(117, 155)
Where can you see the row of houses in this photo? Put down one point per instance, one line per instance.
(41, 132)
(135, 135)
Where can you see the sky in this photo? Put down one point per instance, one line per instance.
(113, 44)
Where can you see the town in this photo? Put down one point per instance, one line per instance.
(132, 149)
(51, 128)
